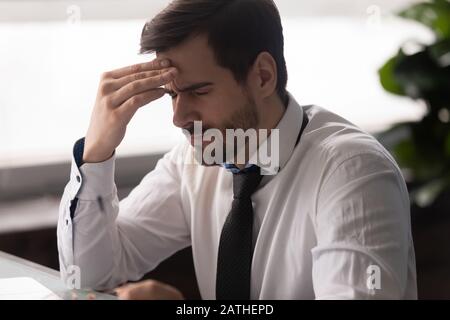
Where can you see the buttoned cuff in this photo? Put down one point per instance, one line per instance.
(91, 180)
(98, 179)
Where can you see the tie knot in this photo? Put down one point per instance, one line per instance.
(245, 183)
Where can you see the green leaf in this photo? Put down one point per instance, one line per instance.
(405, 153)
(435, 15)
(440, 53)
(387, 78)
(424, 75)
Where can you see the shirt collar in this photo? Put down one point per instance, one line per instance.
(289, 128)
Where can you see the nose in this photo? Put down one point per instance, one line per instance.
(183, 112)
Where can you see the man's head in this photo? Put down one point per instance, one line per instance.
(229, 54)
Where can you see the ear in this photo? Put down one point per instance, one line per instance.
(263, 77)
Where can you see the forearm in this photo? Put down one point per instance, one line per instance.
(87, 232)
(112, 243)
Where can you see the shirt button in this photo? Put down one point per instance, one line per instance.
(67, 222)
(78, 178)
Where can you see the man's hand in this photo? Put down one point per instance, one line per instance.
(121, 93)
(148, 290)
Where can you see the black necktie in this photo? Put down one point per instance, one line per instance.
(234, 259)
(235, 254)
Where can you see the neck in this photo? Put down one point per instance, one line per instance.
(274, 109)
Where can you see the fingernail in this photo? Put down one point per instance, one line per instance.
(165, 63)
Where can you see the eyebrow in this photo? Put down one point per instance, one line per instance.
(192, 87)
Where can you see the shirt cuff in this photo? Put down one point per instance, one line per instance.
(92, 180)
(98, 179)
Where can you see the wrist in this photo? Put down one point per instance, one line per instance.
(90, 156)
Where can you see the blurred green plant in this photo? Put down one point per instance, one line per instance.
(423, 148)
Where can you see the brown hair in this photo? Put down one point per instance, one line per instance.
(237, 30)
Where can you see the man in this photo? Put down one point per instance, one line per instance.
(331, 222)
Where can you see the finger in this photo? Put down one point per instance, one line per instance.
(139, 86)
(128, 108)
(124, 295)
(140, 67)
(123, 291)
(119, 83)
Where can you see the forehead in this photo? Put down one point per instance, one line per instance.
(194, 60)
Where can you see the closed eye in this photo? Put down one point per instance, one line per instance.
(200, 93)
(173, 94)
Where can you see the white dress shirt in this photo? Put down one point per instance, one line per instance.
(333, 223)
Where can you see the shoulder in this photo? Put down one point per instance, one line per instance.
(334, 141)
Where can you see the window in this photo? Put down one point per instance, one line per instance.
(52, 57)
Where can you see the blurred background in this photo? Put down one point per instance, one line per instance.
(384, 65)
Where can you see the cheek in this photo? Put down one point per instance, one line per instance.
(220, 115)
(219, 109)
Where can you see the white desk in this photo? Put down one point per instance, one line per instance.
(14, 267)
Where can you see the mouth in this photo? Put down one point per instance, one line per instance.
(197, 140)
